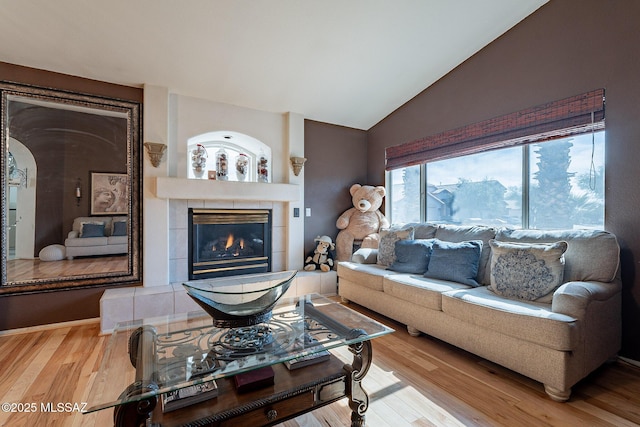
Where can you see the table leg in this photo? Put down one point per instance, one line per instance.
(358, 398)
(136, 413)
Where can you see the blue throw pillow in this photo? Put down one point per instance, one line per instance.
(412, 256)
(92, 230)
(456, 262)
(119, 228)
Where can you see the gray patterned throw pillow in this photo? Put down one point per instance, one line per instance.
(387, 245)
(531, 271)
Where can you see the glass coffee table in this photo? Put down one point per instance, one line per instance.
(148, 358)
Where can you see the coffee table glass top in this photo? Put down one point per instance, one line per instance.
(172, 352)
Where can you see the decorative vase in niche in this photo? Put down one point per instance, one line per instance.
(199, 160)
(263, 168)
(222, 164)
(242, 166)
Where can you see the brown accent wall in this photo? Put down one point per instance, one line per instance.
(48, 79)
(565, 48)
(18, 311)
(336, 161)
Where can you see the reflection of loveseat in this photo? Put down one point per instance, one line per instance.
(557, 339)
(103, 235)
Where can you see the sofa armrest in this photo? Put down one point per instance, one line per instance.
(365, 256)
(573, 298)
(72, 234)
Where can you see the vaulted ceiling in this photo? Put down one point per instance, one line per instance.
(347, 62)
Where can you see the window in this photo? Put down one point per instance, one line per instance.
(546, 185)
(566, 183)
(404, 194)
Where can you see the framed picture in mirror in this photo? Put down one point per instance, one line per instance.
(109, 195)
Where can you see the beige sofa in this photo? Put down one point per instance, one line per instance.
(556, 343)
(102, 237)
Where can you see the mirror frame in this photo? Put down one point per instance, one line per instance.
(132, 109)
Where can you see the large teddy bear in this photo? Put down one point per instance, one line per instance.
(362, 222)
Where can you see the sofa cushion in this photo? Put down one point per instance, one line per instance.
(86, 241)
(365, 256)
(456, 262)
(528, 271)
(372, 277)
(459, 233)
(111, 226)
(77, 222)
(117, 240)
(388, 239)
(422, 230)
(526, 320)
(592, 255)
(412, 256)
(419, 289)
(92, 229)
(119, 228)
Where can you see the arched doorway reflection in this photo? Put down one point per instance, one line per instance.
(22, 202)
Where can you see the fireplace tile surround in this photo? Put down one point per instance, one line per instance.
(126, 304)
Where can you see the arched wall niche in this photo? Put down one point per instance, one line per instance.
(234, 143)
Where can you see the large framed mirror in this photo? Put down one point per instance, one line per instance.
(71, 188)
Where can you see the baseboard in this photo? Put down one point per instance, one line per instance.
(635, 363)
(49, 326)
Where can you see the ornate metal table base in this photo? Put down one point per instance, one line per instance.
(358, 398)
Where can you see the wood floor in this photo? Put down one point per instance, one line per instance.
(414, 382)
(29, 269)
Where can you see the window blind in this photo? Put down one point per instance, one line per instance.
(570, 116)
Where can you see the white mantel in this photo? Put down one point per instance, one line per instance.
(204, 189)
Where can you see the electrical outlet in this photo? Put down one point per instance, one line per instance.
(307, 212)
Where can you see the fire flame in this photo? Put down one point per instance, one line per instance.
(229, 242)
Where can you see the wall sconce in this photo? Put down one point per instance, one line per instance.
(297, 163)
(156, 151)
(78, 192)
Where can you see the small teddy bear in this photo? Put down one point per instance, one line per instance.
(321, 256)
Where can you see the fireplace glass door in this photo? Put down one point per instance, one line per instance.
(227, 242)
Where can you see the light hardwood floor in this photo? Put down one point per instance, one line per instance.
(29, 269)
(414, 381)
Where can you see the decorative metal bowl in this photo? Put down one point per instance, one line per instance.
(239, 301)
